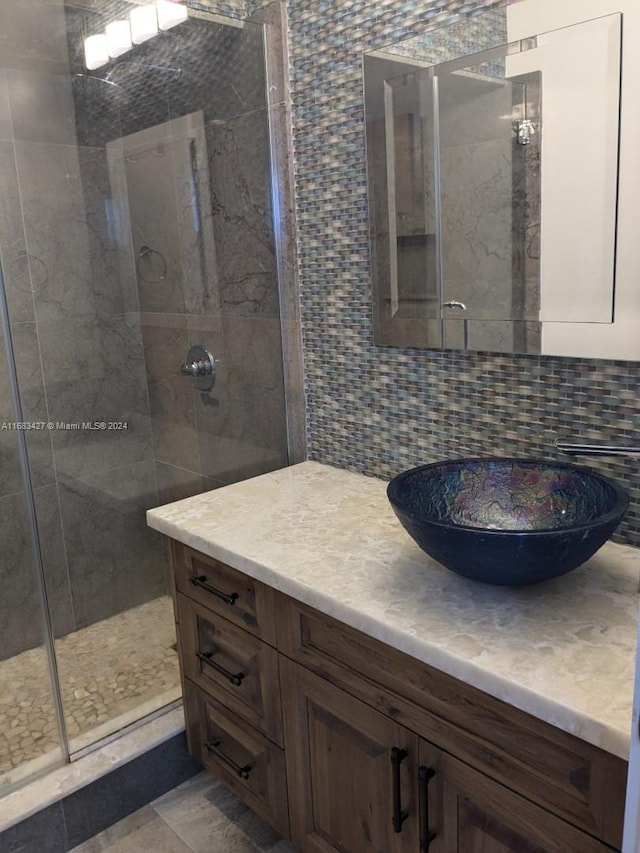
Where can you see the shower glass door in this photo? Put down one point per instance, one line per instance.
(29, 725)
(135, 222)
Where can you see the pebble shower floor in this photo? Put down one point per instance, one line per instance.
(111, 673)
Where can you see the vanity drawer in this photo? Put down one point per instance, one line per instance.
(231, 665)
(577, 781)
(240, 599)
(245, 760)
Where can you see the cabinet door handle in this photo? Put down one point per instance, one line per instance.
(227, 597)
(234, 677)
(213, 748)
(399, 816)
(425, 775)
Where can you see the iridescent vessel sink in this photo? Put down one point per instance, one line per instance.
(507, 521)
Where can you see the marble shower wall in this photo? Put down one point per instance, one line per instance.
(78, 346)
(221, 287)
(99, 336)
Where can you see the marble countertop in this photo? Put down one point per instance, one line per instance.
(564, 651)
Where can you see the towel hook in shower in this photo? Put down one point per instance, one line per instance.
(149, 253)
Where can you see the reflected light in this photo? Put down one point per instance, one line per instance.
(96, 51)
(144, 23)
(170, 14)
(118, 38)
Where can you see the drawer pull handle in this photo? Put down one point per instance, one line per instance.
(227, 597)
(234, 677)
(213, 748)
(425, 775)
(399, 816)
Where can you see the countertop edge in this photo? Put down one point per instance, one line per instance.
(608, 738)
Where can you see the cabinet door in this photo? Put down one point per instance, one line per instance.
(464, 811)
(352, 772)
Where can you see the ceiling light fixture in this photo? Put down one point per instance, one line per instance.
(144, 23)
(118, 38)
(96, 51)
(170, 14)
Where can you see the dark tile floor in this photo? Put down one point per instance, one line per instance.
(199, 816)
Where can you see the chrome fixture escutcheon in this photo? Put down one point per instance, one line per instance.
(201, 366)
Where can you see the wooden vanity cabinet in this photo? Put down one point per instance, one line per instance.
(225, 626)
(354, 770)
(349, 745)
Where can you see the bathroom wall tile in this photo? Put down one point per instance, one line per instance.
(233, 442)
(91, 347)
(21, 620)
(94, 372)
(172, 399)
(26, 352)
(6, 127)
(195, 214)
(242, 432)
(115, 561)
(473, 111)
(247, 350)
(78, 268)
(155, 227)
(32, 31)
(240, 179)
(54, 559)
(52, 198)
(112, 277)
(476, 211)
(41, 107)
(175, 484)
(17, 267)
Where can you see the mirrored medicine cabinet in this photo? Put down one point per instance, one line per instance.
(504, 182)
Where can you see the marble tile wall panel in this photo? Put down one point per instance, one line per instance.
(33, 33)
(33, 400)
(6, 128)
(41, 107)
(115, 561)
(68, 232)
(21, 618)
(17, 267)
(242, 222)
(242, 421)
(473, 111)
(154, 223)
(175, 484)
(380, 410)
(477, 219)
(172, 399)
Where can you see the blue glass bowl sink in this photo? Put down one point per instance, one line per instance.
(507, 521)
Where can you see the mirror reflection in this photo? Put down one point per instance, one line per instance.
(493, 169)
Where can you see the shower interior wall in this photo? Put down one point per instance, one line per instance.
(92, 340)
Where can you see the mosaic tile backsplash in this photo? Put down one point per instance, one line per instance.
(381, 410)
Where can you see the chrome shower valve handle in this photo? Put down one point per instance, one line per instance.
(201, 366)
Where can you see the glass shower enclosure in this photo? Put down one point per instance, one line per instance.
(136, 221)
